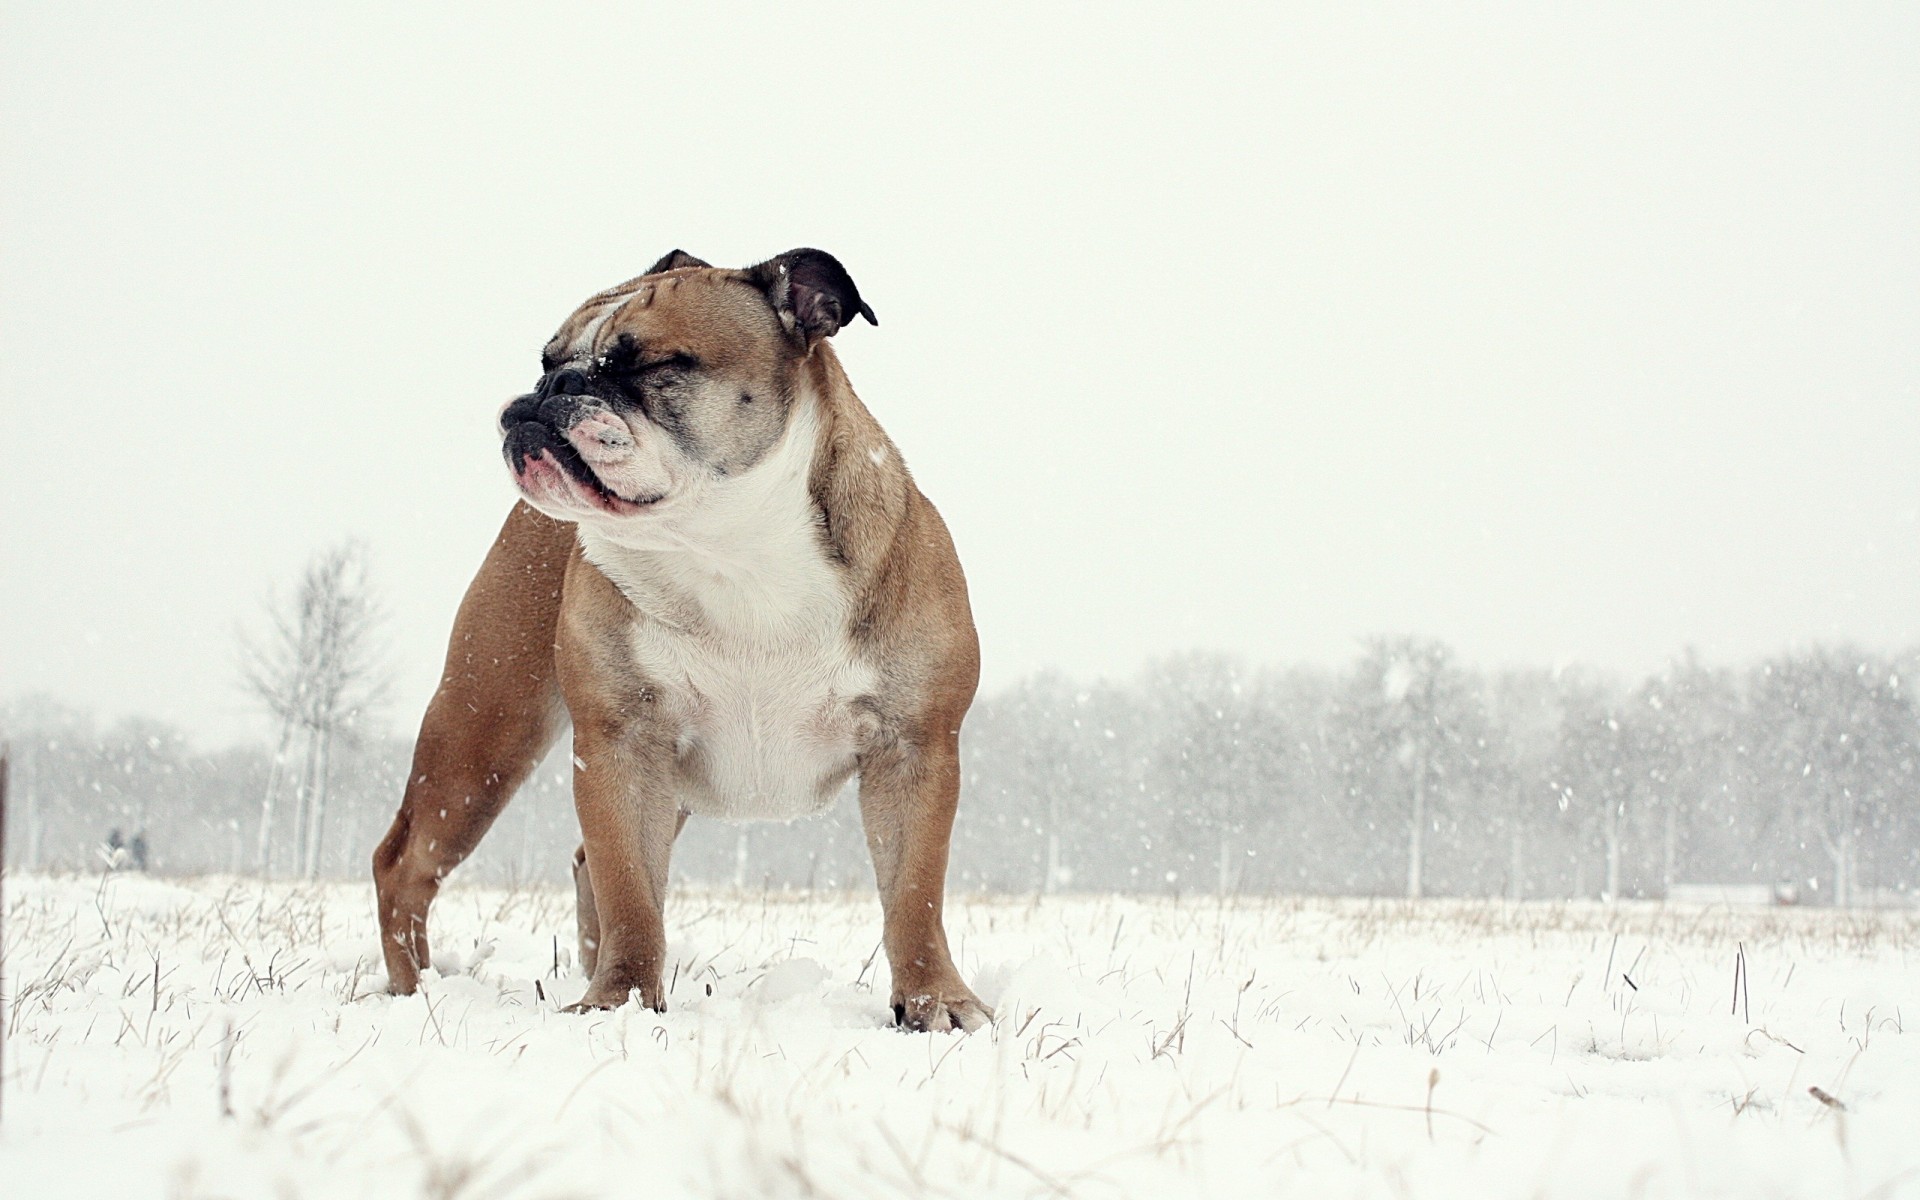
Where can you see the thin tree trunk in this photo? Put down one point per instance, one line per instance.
(1841, 851)
(1670, 858)
(276, 775)
(1613, 866)
(1226, 863)
(1516, 863)
(1054, 866)
(303, 804)
(740, 860)
(317, 805)
(1416, 840)
(29, 790)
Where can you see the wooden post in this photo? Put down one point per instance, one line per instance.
(4, 760)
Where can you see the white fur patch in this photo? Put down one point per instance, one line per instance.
(743, 625)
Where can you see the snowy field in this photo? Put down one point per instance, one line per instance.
(223, 1038)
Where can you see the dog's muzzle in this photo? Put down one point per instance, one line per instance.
(538, 422)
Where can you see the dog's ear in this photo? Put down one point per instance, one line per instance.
(674, 260)
(811, 293)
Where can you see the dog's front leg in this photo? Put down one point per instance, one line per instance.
(585, 915)
(628, 819)
(907, 799)
(624, 771)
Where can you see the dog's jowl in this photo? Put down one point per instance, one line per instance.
(724, 577)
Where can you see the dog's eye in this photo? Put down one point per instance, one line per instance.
(678, 362)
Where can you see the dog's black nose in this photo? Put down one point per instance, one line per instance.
(564, 382)
(525, 408)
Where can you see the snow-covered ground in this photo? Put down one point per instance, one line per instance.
(224, 1038)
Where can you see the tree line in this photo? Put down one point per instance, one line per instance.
(1403, 773)
(1410, 774)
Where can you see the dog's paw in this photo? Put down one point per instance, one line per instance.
(600, 999)
(941, 1011)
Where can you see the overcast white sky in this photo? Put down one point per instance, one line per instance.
(1558, 337)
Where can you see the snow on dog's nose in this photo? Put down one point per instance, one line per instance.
(602, 439)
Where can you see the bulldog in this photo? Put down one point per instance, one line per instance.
(722, 575)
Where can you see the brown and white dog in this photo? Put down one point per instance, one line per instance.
(723, 574)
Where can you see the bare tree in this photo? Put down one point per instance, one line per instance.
(1217, 765)
(316, 673)
(1045, 708)
(1524, 727)
(1686, 719)
(1414, 715)
(1840, 752)
(1593, 771)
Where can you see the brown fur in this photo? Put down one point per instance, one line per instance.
(540, 623)
(495, 714)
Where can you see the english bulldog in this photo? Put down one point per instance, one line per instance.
(723, 576)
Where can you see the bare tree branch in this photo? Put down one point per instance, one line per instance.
(316, 673)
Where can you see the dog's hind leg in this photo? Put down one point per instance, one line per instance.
(495, 714)
(585, 915)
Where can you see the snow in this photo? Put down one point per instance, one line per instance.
(226, 1038)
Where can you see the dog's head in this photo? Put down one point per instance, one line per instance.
(656, 390)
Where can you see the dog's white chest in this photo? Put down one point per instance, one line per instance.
(742, 626)
(767, 732)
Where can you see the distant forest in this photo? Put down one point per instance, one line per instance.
(1404, 774)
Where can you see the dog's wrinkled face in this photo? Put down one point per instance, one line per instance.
(657, 390)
